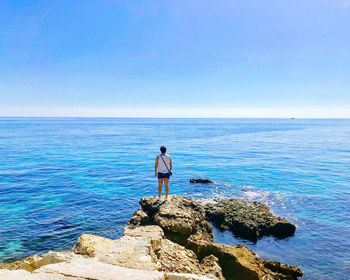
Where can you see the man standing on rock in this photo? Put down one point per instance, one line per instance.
(162, 169)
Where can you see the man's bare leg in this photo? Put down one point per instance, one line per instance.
(160, 184)
(166, 183)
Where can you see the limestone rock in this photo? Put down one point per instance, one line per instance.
(128, 251)
(202, 181)
(286, 269)
(143, 247)
(139, 218)
(153, 234)
(184, 276)
(90, 268)
(178, 216)
(211, 267)
(183, 221)
(30, 263)
(173, 257)
(249, 220)
(34, 262)
(239, 262)
(25, 275)
(170, 257)
(145, 252)
(88, 244)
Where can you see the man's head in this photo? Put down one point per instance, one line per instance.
(163, 149)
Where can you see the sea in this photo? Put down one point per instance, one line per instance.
(61, 177)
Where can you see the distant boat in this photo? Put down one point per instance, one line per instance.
(293, 118)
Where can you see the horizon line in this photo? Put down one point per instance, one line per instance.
(145, 117)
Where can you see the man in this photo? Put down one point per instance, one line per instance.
(162, 169)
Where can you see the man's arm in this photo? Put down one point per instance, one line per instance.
(156, 166)
(171, 164)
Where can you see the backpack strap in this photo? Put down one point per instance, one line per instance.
(165, 164)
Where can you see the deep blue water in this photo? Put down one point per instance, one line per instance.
(60, 177)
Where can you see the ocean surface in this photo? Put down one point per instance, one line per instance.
(60, 177)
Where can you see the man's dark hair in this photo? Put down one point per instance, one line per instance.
(163, 149)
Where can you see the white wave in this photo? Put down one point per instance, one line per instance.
(255, 194)
(14, 172)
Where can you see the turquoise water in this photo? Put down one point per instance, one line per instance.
(60, 177)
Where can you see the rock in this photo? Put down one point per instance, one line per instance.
(139, 218)
(183, 221)
(249, 220)
(147, 250)
(141, 253)
(178, 216)
(285, 269)
(239, 262)
(128, 251)
(90, 245)
(153, 234)
(211, 267)
(173, 257)
(144, 248)
(25, 275)
(90, 268)
(34, 262)
(170, 256)
(202, 181)
(30, 263)
(184, 276)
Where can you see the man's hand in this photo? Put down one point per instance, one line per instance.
(155, 174)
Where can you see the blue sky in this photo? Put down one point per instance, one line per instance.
(175, 58)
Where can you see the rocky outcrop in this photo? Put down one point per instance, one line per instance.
(202, 181)
(131, 252)
(287, 269)
(165, 240)
(143, 248)
(239, 262)
(184, 221)
(142, 252)
(249, 220)
(139, 218)
(34, 262)
(179, 217)
(82, 269)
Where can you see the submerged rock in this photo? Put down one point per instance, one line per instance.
(202, 181)
(249, 220)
